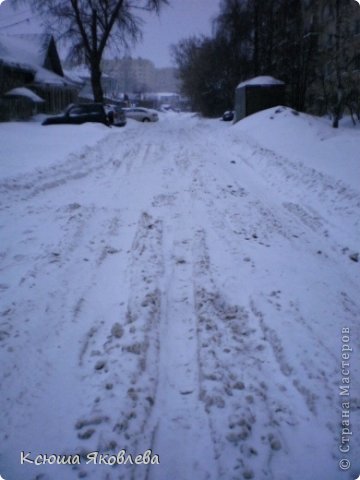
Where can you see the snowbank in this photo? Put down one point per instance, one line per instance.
(26, 146)
(307, 140)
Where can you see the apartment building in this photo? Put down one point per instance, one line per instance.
(141, 75)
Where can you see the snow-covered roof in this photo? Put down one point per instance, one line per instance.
(24, 92)
(29, 52)
(261, 81)
(161, 95)
(80, 71)
(86, 92)
(46, 76)
(72, 76)
(24, 50)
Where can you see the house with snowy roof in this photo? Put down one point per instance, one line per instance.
(31, 74)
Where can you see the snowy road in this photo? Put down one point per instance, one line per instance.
(178, 287)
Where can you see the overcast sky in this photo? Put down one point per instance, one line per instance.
(181, 19)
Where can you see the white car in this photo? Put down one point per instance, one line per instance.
(141, 114)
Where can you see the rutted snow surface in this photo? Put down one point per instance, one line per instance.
(180, 288)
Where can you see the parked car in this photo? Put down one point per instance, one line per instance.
(77, 114)
(141, 114)
(116, 115)
(228, 116)
(168, 108)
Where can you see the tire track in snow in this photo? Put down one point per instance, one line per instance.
(182, 437)
(120, 361)
(246, 431)
(262, 224)
(178, 421)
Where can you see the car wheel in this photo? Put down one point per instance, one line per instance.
(146, 120)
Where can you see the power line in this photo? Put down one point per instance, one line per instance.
(8, 17)
(26, 20)
(13, 16)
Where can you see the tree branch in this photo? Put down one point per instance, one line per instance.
(75, 5)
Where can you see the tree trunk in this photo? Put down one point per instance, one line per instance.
(339, 88)
(256, 38)
(268, 46)
(338, 107)
(96, 80)
(95, 60)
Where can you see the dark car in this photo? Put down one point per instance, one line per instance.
(116, 115)
(228, 116)
(80, 113)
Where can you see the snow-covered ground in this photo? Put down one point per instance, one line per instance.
(182, 287)
(27, 147)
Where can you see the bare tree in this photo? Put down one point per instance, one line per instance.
(91, 25)
(339, 45)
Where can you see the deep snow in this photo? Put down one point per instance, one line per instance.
(179, 286)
